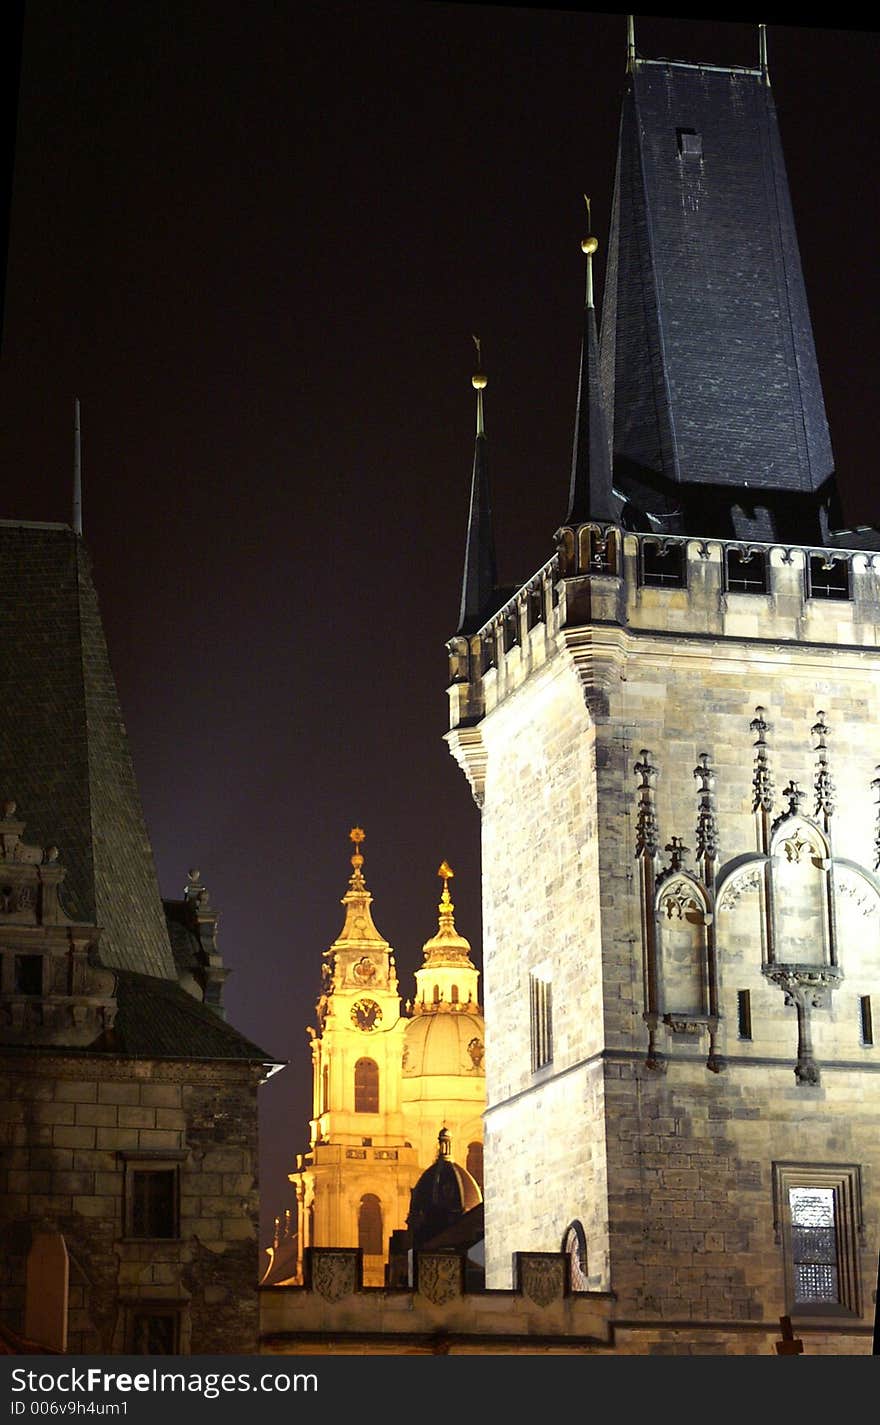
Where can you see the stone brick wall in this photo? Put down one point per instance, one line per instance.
(66, 1126)
(671, 1168)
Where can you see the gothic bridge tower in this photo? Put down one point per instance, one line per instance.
(671, 732)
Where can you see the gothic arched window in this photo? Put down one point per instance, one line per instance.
(574, 1245)
(370, 1226)
(366, 1086)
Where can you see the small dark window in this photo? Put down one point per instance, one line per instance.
(511, 630)
(28, 975)
(746, 572)
(154, 1333)
(829, 578)
(866, 1019)
(366, 1086)
(370, 1226)
(325, 1088)
(690, 143)
(663, 565)
(453, 994)
(489, 652)
(535, 607)
(153, 1204)
(744, 1013)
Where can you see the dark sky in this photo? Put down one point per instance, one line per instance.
(254, 240)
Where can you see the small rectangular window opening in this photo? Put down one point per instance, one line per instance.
(153, 1204)
(28, 978)
(535, 607)
(154, 1333)
(663, 565)
(829, 579)
(744, 1013)
(690, 143)
(867, 1023)
(746, 572)
(511, 630)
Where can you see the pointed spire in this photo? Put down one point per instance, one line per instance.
(630, 43)
(590, 494)
(77, 471)
(480, 571)
(358, 927)
(447, 947)
(762, 54)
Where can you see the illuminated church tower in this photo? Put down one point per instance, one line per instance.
(671, 732)
(384, 1084)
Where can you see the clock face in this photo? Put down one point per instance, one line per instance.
(365, 1014)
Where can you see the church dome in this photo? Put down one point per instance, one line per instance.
(443, 1193)
(446, 1043)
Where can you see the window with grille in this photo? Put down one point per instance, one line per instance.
(828, 578)
(541, 1006)
(746, 572)
(818, 1223)
(662, 565)
(366, 1086)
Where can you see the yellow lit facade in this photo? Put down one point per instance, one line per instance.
(385, 1078)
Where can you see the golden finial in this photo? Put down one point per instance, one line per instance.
(478, 380)
(446, 907)
(357, 836)
(589, 243)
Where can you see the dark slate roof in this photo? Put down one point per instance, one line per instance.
(186, 946)
(708, 361)
(156, 1019)
(64, 753)
(590, 495)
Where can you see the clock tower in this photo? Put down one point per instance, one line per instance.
(353, 1186)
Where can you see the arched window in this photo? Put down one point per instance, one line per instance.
(574, 1245)
(325, 1088)
(454, 994)
(370, 1226)
(436, 994)
(474, 1162)
(366, 1086)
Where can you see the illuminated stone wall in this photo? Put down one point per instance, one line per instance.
(785, 907)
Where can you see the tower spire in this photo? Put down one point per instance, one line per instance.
(480, 570)
(77, 471)
(762, 54)
(590, 492)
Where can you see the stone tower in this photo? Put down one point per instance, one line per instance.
(128, 1149)
(670, 730)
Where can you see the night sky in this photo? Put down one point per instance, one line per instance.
(255, 240)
